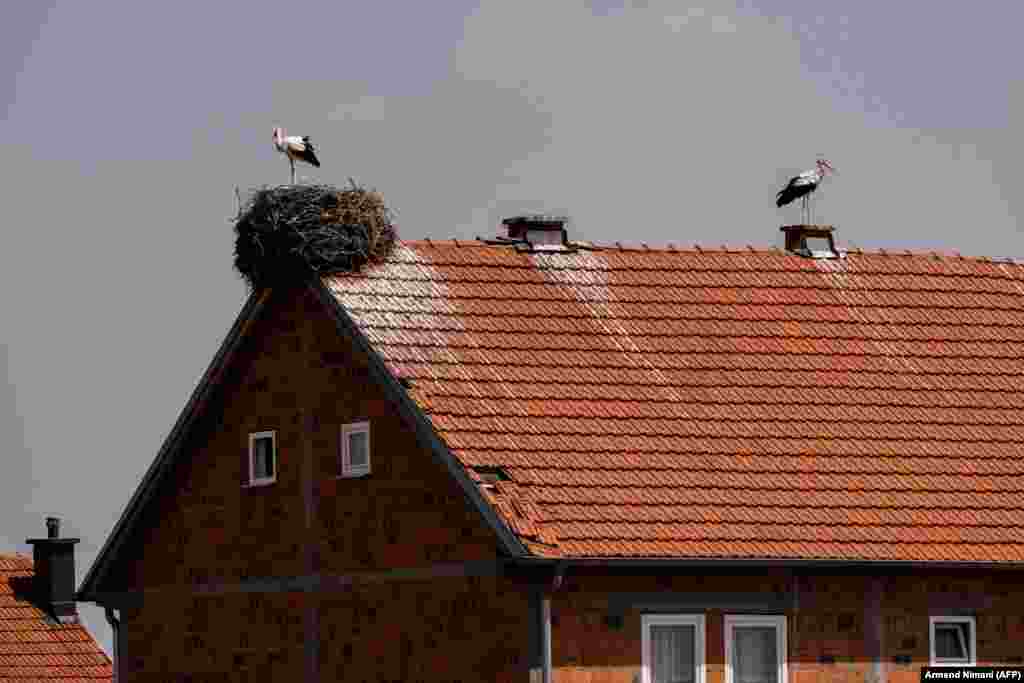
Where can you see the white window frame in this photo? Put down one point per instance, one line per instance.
(346, 465)
(776, 620)
(253, 436)
(972, 645)
(695, 620)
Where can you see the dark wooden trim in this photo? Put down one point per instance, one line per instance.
(666, 601)
(309, 583)
(968, 604)
(311, 640)
(413, 416)
(874, 627)
(796, 584)
(545, 625)
(311, 618)
(161, 465)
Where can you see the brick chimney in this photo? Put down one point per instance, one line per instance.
(53, 586)
(539, 231)
(814, 241)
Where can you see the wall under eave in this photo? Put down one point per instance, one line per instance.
(828, 616)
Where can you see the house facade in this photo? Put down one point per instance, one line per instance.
(538, 460)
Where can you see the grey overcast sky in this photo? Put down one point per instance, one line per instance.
(127, 126)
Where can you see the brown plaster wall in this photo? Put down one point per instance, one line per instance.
(830, 619)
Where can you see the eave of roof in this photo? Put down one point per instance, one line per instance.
(751, 563)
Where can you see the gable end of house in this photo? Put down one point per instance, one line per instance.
(95, 587)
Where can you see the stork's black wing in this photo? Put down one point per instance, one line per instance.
(793, 191)
(308, 154)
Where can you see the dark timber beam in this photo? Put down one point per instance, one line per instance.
(307, 583)
(666, 601)
(874, 628)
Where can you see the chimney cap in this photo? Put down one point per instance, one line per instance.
(537, 219)
(809, 230)
(52, 534)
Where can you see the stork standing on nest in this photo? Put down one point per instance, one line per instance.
(295, 148)
(801, 187)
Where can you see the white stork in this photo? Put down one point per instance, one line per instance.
(295, 148)
(802, 186)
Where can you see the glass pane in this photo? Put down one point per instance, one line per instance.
(950, 641)
(358, 455)
(263, 458)
(673, 653)
(755, 658)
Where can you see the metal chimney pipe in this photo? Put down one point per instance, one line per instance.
(53, 527)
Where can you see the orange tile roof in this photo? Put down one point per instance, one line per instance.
(34, 647)
(719, 404)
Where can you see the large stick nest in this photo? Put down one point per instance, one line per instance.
(287, 233)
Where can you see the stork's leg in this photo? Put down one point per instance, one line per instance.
(292, 162)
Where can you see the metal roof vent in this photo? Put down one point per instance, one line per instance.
(538, 232)
(491, 475)
(812, 241)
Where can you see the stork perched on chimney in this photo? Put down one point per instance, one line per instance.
(295, 148)
(801, 187)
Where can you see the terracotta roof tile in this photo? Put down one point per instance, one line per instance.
(719, 404)
(32, 646)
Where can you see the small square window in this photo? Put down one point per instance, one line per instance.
(355, 449)
(952, 641)
(262, 458)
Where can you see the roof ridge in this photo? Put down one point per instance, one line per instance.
(672, 248)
